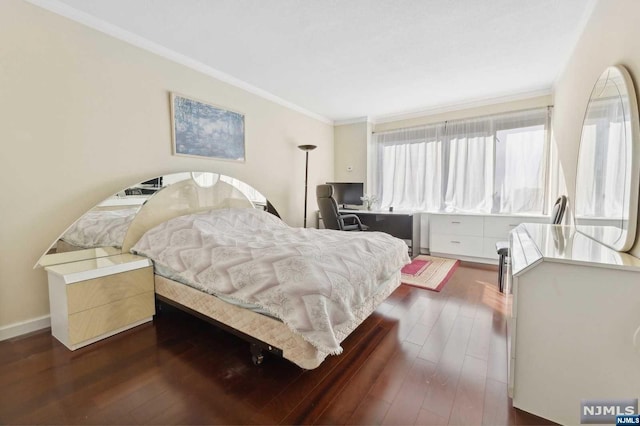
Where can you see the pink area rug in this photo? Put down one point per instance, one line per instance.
(429, 272)
(416, 267)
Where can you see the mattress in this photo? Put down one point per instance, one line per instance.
(162, 272)
(269, 330)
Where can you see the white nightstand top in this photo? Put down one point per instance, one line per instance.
(77, 255)
(94, 268)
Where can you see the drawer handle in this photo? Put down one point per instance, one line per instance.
(457, 223)
(455, 242)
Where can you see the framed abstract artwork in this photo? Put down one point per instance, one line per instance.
(204, 130)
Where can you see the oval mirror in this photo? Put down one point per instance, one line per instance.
(102, 230)
(606, 198)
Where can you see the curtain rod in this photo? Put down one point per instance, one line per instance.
(459, 119)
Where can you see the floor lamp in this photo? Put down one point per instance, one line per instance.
(306, 149)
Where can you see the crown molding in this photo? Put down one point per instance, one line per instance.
(97, 24)
(356, 120)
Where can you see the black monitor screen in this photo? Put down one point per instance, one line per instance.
(348, 192)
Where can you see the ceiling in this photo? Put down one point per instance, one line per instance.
(347, 59)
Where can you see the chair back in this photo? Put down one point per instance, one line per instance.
(328, 207)
(558, 210)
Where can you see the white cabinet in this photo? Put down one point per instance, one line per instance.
(472, 237)
(463, 245)
(489, 247)
(574, 331)
(499, 226)
(457, 224)
(97, 298)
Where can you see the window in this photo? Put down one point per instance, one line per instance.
(411, 168)
(493, 164)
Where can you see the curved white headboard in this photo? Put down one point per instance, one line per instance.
(184, 197)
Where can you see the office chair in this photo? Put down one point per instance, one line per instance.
(502, 247)
(331, 216)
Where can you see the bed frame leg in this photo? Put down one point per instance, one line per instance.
(256, 354)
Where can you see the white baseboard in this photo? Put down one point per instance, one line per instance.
(24, 327)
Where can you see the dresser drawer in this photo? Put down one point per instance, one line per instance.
(489, 247)
(464, 245)
(89, 294)
(500, 226)
(94, 322)
(456, 224)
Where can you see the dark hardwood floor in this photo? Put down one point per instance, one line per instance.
(422, 358)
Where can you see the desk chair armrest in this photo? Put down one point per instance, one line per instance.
(355, 218)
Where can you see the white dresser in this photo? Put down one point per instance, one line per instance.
(574, 331)
(97, 298)
(472, 236)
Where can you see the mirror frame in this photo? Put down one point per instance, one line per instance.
(623, 242)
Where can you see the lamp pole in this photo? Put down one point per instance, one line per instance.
(306, 149)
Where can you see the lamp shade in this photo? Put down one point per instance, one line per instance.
(307, 147)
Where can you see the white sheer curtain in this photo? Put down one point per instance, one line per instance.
(409, 169)
(491, 164)
(602, 192)
(602, 152)
(586, 191)
(469, 185)
(615, 185)
(522, 189)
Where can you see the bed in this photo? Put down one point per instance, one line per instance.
(97, 228)
(258, 284)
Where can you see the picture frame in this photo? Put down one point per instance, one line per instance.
(202, 129)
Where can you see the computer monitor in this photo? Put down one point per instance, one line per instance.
(348, 192)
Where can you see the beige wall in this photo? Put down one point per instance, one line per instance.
(84, 115)
(350, 150)
(612, 36)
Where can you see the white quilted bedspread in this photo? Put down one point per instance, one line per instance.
(313, 280)
(100, 228)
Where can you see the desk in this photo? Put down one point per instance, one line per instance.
(403, 225)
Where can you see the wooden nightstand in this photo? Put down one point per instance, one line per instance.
(94, 299)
